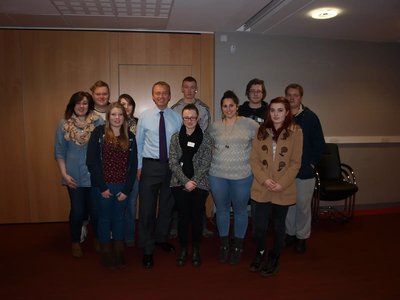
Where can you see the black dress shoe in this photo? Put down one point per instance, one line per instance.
(290, 240)
(167, 247)
(148, 261)
(300, 246)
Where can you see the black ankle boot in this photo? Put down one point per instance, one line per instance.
(257, 262)
(224, 253)
(196, 260)
(237, 252)
(272, 264)
(181, 260)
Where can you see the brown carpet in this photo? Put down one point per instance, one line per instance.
(359, 260)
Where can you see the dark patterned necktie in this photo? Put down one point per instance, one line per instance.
(163, 139)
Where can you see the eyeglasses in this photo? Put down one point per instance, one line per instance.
(255, 92)
(189, 118)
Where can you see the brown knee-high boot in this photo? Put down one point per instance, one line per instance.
(120, 261)
(107, 258)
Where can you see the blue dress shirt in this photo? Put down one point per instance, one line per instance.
(147, 132)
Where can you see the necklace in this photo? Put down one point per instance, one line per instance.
(229, 135)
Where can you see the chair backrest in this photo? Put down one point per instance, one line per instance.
(328, 166)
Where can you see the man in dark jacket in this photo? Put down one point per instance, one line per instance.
(254, 109)
(298, 219)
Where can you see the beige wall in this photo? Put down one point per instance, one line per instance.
(39, 72)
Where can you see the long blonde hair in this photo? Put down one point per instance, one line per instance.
(123, 131)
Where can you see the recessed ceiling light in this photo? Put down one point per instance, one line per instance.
(324, 13)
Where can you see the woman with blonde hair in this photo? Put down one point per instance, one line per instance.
(112, 162)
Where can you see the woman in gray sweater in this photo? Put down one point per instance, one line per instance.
(190, 155)
(230, 173)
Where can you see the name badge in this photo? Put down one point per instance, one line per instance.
(190, 144)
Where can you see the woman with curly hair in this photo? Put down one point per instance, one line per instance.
(70, 149)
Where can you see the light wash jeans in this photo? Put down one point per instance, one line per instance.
(227, 192)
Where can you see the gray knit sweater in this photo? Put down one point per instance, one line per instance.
(233, 144)
(201, 163)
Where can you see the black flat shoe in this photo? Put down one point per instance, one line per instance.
(148, 261)
(167, 247)
(290, 240)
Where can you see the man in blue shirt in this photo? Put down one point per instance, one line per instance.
(154, 175)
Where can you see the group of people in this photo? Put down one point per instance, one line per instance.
(173, 157)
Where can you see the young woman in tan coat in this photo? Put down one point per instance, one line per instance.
(275, 161)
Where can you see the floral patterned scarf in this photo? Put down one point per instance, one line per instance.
(87, 126)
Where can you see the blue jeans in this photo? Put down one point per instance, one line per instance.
(82, 202)
(227, 192)
(130, 217)
(111, 213)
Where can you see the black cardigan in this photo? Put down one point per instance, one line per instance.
(94, 161)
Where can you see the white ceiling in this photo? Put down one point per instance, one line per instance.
(362, 20)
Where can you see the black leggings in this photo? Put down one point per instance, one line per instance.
(190, 210)
(263, 212)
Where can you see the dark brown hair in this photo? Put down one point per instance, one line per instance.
(75, 98)
(289, 121)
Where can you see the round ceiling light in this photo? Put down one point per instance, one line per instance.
(324, 13)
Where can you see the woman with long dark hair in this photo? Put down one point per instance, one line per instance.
(230, 173)
(190, 153)
(112, 162)
(275, 161)
(130, 217)
(70, 149)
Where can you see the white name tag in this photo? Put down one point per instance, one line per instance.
(190, 144)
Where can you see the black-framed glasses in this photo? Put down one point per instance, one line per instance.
(189, 118)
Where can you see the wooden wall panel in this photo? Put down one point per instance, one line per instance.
(207, 85)
(138, 80)
(14, 200)
(56, 64)
(159, 49)
(40, 70)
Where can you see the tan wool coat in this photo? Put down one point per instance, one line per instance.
(283, 170)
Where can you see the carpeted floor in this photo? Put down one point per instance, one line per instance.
(359, 260)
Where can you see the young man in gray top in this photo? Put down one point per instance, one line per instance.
(189, 90)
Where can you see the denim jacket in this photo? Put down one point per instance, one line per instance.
(94, 161)
(74, 156)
